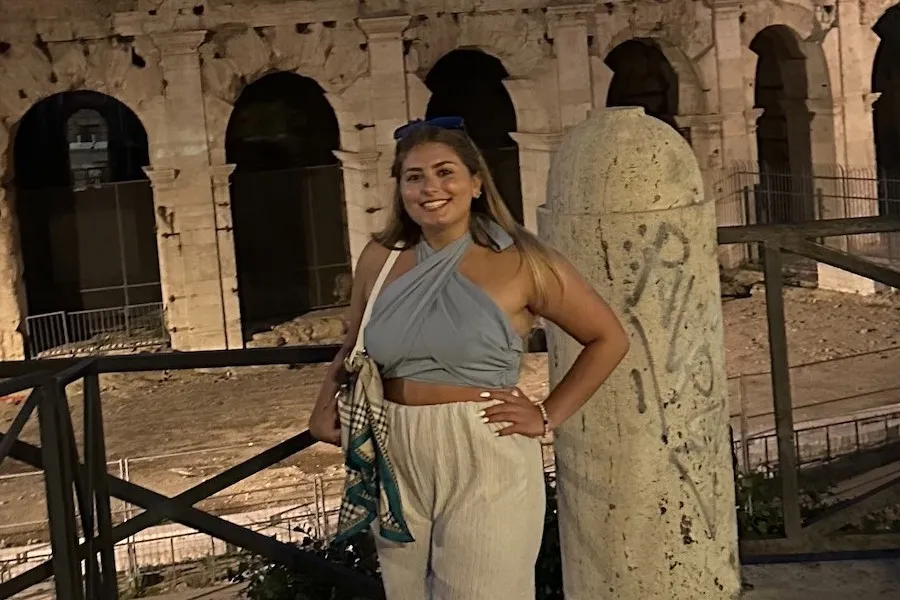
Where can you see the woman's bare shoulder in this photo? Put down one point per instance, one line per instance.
(371, 259)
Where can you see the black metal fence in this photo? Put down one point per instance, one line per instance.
(78, 488)
(753, 194)
(816, 535)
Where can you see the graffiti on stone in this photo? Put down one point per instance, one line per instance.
(673, 322)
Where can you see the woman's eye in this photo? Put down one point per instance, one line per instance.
(445, 172)
(412, 177)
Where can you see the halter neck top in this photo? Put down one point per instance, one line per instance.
(434, 325)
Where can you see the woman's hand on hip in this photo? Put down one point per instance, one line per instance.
(325, 423)
(523, 415)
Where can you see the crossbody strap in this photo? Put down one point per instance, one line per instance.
(376, 289)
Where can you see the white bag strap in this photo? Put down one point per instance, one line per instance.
(376, 289)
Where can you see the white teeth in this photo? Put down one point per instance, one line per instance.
(434, 204)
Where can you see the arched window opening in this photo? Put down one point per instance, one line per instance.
(643, 76)
(87, 225)
(886, 111)
(287, 201)
(88, 137)
(469, 84)
(784, 148)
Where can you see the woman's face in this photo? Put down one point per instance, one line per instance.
(436, 187)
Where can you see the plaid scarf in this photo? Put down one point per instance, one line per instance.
(370, 483)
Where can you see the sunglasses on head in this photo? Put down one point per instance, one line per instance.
(455, 123)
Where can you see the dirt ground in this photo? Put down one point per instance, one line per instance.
(226, 416)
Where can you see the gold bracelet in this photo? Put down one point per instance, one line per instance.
(546, 419)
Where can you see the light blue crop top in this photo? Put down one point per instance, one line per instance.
(434, 325)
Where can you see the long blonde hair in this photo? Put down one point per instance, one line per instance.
(402, 229)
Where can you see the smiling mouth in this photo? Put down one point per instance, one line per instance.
(434, 204)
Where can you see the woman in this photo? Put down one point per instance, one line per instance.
(446, 332)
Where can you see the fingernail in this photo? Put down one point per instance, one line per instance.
(485, 420)
(515, 393)
(480, 413)
(485, 394)
(496, 434)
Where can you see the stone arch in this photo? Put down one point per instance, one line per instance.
(517, 40)
(885, 115)
(126, 70)
(642, 76)
(803, 32)
(691, 98)
(289, 214)
(332, 54)
(469, 83)
(86, 218)
(873, 11)
(796, 125)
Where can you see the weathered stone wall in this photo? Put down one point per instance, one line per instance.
(181, 64)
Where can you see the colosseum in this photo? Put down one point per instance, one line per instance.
(217, 165)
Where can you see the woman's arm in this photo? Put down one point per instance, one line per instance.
(323, 422)
(572, 305)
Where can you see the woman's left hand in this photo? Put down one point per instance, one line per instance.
(523, 415)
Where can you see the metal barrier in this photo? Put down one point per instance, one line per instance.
(821, 443)
(100, 329)
(88, 570)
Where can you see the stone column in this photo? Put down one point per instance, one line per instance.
(568, 26)
(856, 49)
(365, 205)
(738, 142)
(736, 145)
(370, 169)
(646, 493)
(186, 216)
(535, 152)
(220, 175)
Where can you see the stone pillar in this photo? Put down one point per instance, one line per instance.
(535, 153)
(856, 84)
(186, 216)
(736, 146)
(569, 29)
(370, 169)
(12, 291)
(737, 141)
(365, 205)
(646, 493)
(220, 175)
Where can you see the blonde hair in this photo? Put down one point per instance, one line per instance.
(402, 229)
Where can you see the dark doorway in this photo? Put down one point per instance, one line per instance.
(886, 112)
(469, 84)
(287, 201)
(785, 193)
(87, 221)
(643, 76)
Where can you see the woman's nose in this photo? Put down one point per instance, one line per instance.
(431, 184)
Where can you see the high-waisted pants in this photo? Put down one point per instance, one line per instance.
(474, 502)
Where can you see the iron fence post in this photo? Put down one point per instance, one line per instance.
(60, 507)
(95, 462)
(781, 388)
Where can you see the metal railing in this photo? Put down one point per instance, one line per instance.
(748, 193)
(78, 489)
(96, 330)
(820, 443)
(803, 239)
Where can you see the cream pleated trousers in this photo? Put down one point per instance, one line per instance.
(474, 503)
